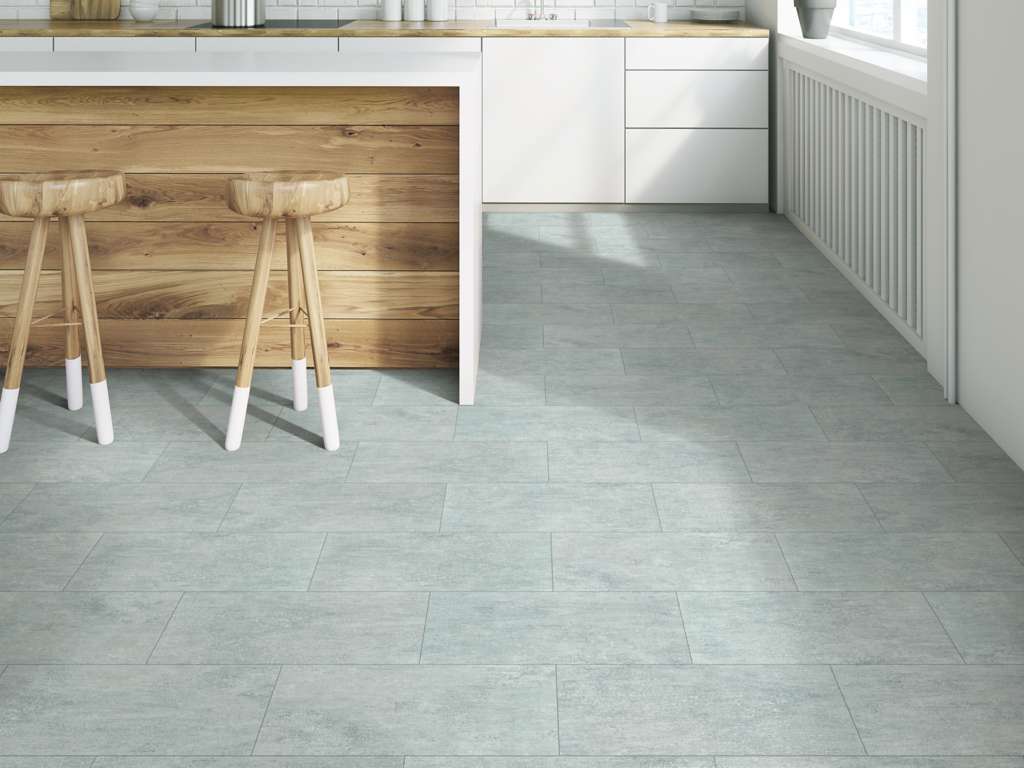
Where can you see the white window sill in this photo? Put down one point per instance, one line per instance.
(901, 68)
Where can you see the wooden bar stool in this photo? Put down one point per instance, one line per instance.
(69, 196)
(294, 197)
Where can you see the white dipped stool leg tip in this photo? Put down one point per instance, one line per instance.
(236, 419)
(8, 405)
(73, 383)
(101, 412)
(300, 394)
(328, 418)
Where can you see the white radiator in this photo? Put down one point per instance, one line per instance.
(854, 182)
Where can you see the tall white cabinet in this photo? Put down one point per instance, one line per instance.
(553, 121)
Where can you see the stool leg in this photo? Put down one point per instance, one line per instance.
(91, 327)
(72, 346)
(318, 336)
(247, 358)
(22, 324)
(299, 387)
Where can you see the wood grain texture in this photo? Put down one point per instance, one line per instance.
(215, 343)
(339, 149)
(189, 197)
(222, 295)
(58, 105)
(231, 246)
(366, 28)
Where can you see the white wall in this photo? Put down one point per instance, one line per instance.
(991, 199)
(366, 9)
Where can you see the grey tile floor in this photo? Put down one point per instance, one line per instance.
(710, 512)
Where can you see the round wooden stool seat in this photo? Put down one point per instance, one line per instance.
(287, 194)
(71, 193)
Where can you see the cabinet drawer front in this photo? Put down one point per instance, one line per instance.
(24, 44)
(409, 45)
(267, 44)
(697, 166)
(125, 44)
(697, 53)
(667, 99)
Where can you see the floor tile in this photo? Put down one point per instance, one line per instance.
(371, 422)
(42, 561)
(817, 462)
(522, 337)
(870, 762)
(758, 334)
(663, 389)
(81, 461)
(947, 506)
(768, 422)
(946, 710)
(463, 561)
(702, 710)
(46, 422)
(731, 293)
(550, 507)
(987, 627)
(81, 628)
(294, 628)
(547, 423)
(11, 495)
(509, 389)
(977, 462)
(637, 336)
(1015, 541)
(897, 422)
(127, 709)
(840, 362)
(918, 390)
(254, 461)
(246, 762)
(681, 313)
(187, 422)
(564, 762)
(668, 561)
(538, 314)
(812, 309)
(772, 389)
(122, 507)
(462, 461)
(412, 710)
(808, 628)
(591, 293)
(700, 362)
(901, 561)
(424, 387)
(594, 362)
(47, 762)
(335, 506)
(554, 628)
(750, 507)
(272, 388)
(677, 462)
(200, 562)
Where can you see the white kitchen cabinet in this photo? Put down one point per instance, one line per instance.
(691, 99)
(355, 45)
(267, 44)
(553, 120)
(697, 53)
(26, 44)
(125, 44)
(686, 165)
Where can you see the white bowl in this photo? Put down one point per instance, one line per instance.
(144, 11)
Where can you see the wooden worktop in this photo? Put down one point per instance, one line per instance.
(46, 28)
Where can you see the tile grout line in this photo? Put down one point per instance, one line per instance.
(163, 631)
(657, 509)
(682, 621)
(312, 574)
(789, 570)
(558, 717)
(16, 507)
(163, 452)
(551, 552)
(935, 613)
(423, 636)
(270, 698)
(87, 556)
(1001, 535)
(871, 508)
(231, 504)
(842, 695)
(444, 506)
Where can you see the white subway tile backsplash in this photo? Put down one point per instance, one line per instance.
(480, 10)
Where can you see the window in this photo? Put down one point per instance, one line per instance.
(898, 23)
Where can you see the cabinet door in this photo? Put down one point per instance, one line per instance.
(267, 44)
(667, 99)
(553, 120)
(393, 45)
(688, 165)
(125, 44)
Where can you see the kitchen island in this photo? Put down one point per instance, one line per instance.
(400, 265)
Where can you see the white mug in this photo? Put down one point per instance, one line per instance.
(657, 12)
(391, 10)
(415, 10)
(437, 10)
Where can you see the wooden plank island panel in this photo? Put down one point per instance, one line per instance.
(173, 265)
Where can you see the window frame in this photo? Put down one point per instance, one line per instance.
(894, 43)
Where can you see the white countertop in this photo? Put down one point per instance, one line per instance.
(228, 69)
